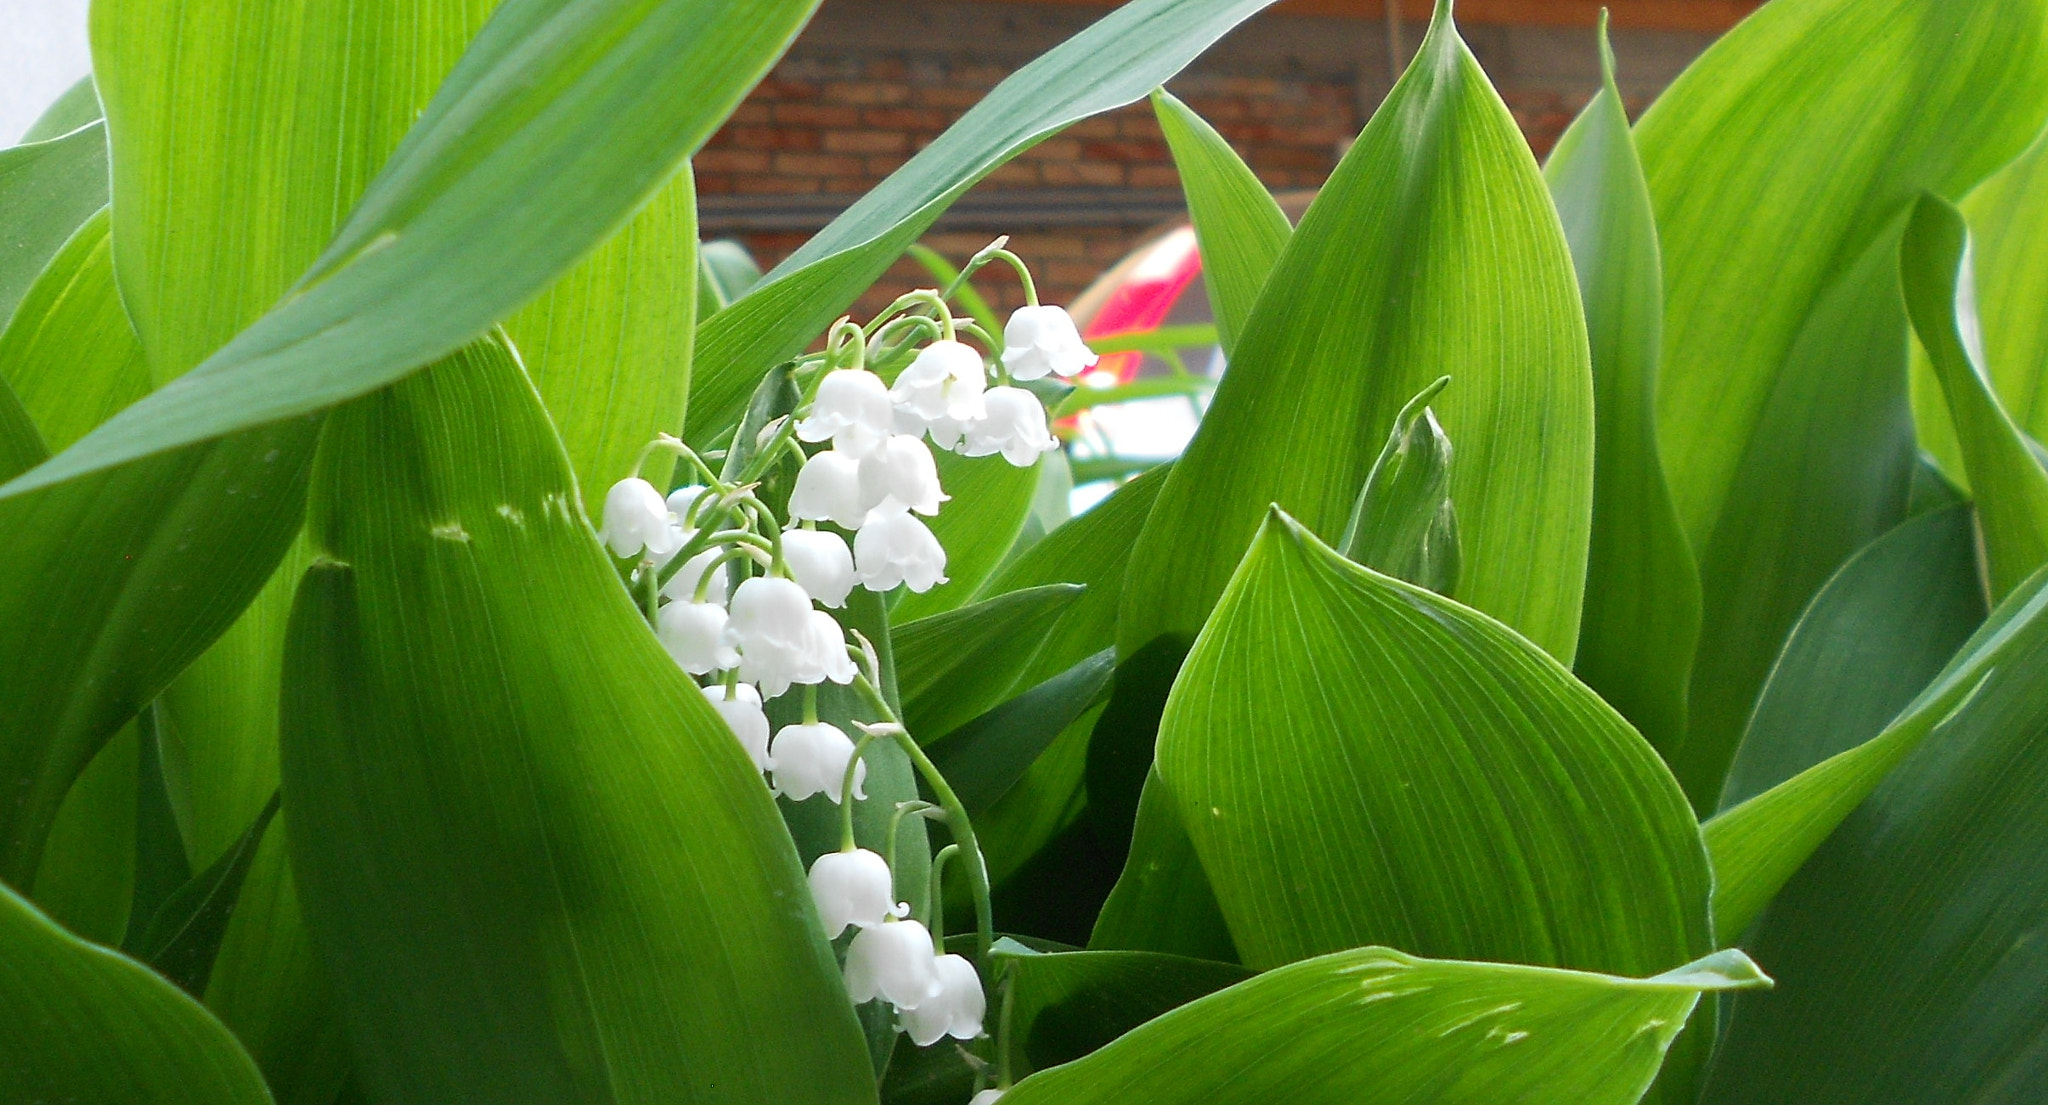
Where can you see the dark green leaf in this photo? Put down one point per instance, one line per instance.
(86, 881)
(1405, 524)
(951, 667)
(1163, 901)
(183, 937)
(984, 758)
(1065, 1005)
(21, 447)
(161, 863)
(1239, 227)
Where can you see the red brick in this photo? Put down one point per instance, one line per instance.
(850, 92)
(1091, 173)
(817, 164)
(947, 97)
(772, 138)
(752, 111)
(906, 118)
(1016, 173)
(732, 161)
(818, 115)
(773, 185)
(866, 141)
(1125, 151)
(1154, 176)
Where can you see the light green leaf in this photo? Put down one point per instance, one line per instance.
(1163, 901)
(1757, 846)
(1238, 226)
(69, 353)
(1405, 524)
(1880, 630)
(1070, 1004)
(1908, 945)
(1642, 612)
(1781, 165)
(79, 105)
(47, 189)
(1116, 61)
(86, 1025)
(1375, 1024)
(2009, 483)
(991, 499)
(536, 864)
(1432, 251)
(952, 667)
(1494, 806)
(559, 122)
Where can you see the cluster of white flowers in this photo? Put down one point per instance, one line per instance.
(756, 630)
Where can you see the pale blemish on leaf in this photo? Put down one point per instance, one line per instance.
(450, 531)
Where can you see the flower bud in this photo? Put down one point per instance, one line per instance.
(744, 716)
(821, 563)
(945, 381)
(853, 888)
(635, 517)
(954, 1008)
(894, 961)
(1041, 340)
(852, 410)
(811, 759)
(694, 633)
(903, 473)
(892, 548)
(828, 490)
(1015, 427)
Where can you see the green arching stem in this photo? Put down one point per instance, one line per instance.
(916, 807)
(860, 747)
(650, 594)
(758, 466)
(1008, 1005)
(994, 347)
(1023, 273)
(936, 922)
(811, 706)
(737, 552)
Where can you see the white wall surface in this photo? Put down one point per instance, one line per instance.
(42, 53)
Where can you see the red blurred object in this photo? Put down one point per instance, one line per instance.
(1142, 292)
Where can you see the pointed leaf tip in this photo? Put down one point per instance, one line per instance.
(1727, 969)
(1607, 57)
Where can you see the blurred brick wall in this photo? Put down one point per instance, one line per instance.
(873, 81)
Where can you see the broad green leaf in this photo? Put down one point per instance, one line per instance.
(1115, 62)
(1239, 227)
(1642, 612)
(557, 124)
(1121, 746)
(69, 353)
(161, 866)
(87, 1025)
(1880, 630)
(1907, 946)
(1432, 251)
(87, 876)
(47, 189)
(1373, 1024)
(79, 105)
(1757, 846)
(2009, 484)
(1486, 803)
(21, 447)
(1405, 523)
(1069, 1004)
(984, 758)
(536, 864)
(1781, 166)
(1163, 902)
(725, 270)
(991, 499)
(952, 667)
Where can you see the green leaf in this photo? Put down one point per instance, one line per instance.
(1494, 807)
(534, 861)
(1163, 901)
(79, 105)
(69, 353)
(991, 499)
(1238, 225)
(1781, 165)
(950, 668)
(725, 270)
(21, 447)
(2010, 485)
(47, 189)
(1373, 1024)
(1116, 61)
(1405, 524)
(1880, 630)
(1642, 612)
(86, 1025)
(86, 880)
(1757, 846)
(183, 937)
(984, 758)
(558, 123)
(1433, 250)
(1065, 1005)
(1907, 946)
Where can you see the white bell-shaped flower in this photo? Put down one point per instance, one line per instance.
(852, 411)
(821, 563)
(811, 759)
(681, 500)
(825, 652)
(682, 586)
(986, 1097)
(636, 517)
(893, 961)
(902, 471)
(945, 381)
(893, 547)
(771, 623)
(743, 715)
(1015, 427)
(694, 633)
(854, 888)
(1041, 340)
(828, 490)
(954, 1009)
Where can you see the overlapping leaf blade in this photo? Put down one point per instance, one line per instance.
(1239, 227)
(47, 189)
(69, 353)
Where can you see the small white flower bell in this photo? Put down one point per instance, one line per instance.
(893, 547)
(821, 563)
(902, 471)
(854, 888)
(825, 652)
(954, 1009)
(694, 633)
(682, 586)
(828, 490)
(771, 622)
(894, 961)
(1015, 427)
(679, 503)
(852, 411)
(945, 381)
(811, 759)
(1041, 340)
(636, 517)
(986, 1097)
(744, 716)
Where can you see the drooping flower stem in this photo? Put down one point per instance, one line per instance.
(860, 747)
(936, 911)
